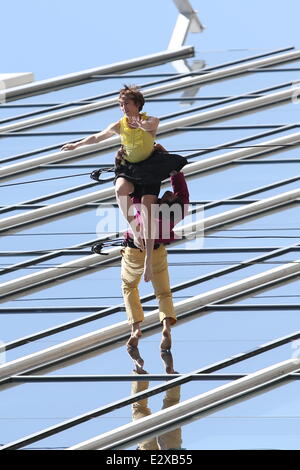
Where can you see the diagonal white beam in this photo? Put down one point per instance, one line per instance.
(192, 168)
(205, 401)
(71, 79)
(224, 73)
(96, 338)
(187, 230)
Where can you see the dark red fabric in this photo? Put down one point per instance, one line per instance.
(180, 189)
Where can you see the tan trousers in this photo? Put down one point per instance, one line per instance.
(131, 273)
(167, 440)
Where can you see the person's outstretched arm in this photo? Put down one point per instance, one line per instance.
(112, 129)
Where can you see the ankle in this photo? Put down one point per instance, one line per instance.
(167, 324)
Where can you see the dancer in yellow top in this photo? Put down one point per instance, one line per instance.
(139, 167)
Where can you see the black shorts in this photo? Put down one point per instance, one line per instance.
(142, 189)
(150, 172)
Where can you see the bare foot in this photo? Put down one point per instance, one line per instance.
(136, 372)
(137, 360)
(166, 339)
(134, 339)
(167, 358)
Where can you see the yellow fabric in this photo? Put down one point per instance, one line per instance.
(168, 440)
(132, 268)
(137, 143)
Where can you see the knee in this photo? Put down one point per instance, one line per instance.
(166, 294)
(149, 203)
(123, 188)
(128, 287)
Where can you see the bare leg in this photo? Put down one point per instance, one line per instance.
(149, 207)
(135, 334)
(166, 340)
(167, 358)
(122, 189)
(165, 347)
(137, 360)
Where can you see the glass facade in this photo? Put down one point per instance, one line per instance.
(218, 257)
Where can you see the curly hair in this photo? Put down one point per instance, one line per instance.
(132, 92)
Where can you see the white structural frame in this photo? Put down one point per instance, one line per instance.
(140, 428)
(9, 80)
(187, 21)
(187, 230)
(96, 196)
(224, 73)
(71, 79)
(83, 343)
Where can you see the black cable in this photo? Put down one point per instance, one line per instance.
(111, 169)
(227, 230)
(120, 297)
(40, 180)
(103, 170)
(181, 263)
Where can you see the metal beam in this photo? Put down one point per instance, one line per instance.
(213, 148)
(142, 427)
(176, 288)
(81, 343)
(171, 251)
(126, 378)
(192, 168)
(150, 392)
(119, 378)
(60, 309)
(167, 88)
(71, 79)
(185, 230)
(107, 94)
(165, 128)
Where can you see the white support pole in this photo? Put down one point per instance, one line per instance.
(96, 338)
(205, 401)
(10, 80)
(71, 79)
(64, 206)
(180, 84)
(238, 213)
(187, 230)
(187, 21)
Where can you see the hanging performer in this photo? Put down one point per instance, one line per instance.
(139, 167)
(173, 207)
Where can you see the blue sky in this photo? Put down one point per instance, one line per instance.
(54, 37)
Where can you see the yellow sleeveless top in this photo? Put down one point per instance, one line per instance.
(137, 143)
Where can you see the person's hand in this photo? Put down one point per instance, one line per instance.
(69, 147)
(160, 148)
(134, 122)
(147, 271)
(173, 172)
